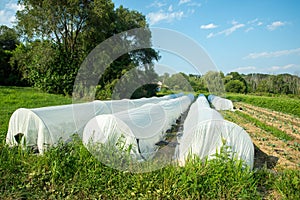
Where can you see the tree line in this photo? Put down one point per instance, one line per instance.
(233, 82)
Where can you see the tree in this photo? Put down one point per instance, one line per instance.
(8, 38)
(214, 82)
(9, 75)
(235, 86)
(276, 84)
(236, 76)
(178, 82)
(60, 34)
(197, 83)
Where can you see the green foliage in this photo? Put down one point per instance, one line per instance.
(275, 84)
(8, 38)
(132, 84)
(60, 34)
(176, 82)
(197, 83)
(70, 171)
(288, 184)
(214, 82)
(235, 86)
(9, 75)
(234, 82)
(278, 103)
(148, 90)
(265, 84)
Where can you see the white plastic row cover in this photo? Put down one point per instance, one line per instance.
(206, 132)
(46, 126)
(141, 127)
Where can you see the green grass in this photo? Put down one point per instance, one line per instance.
(278, 103)
(71, 172)
(12, 98)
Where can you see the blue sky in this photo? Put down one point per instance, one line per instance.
(258, 36)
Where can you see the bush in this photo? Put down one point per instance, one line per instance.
(235, 86)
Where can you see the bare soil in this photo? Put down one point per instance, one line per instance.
(270, 151)
(286, 123)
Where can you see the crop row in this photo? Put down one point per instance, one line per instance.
(285, 124)
(280, 104)
(274, 131)
(268, 147)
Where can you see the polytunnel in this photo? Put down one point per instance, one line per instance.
(220, 103)
(46, 126)
(205, 132)
(174, 108)
(141, 127)
(143, 101)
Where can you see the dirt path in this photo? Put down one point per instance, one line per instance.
(269, 150)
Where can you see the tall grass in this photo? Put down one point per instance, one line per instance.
(70, 171)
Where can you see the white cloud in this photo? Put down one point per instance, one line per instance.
(191, 11)
(233, 22)
(275, 25)
(7, 15)
(208, 26)
(14, 6)
(155, 17)
(157, 4)
(210, 35)
(194, 4)
(244, 69)
(288, 66)
(259, 23)
(255, 22)
(183, 1)
(249, 29)
(280, 68)
(272, 54)
(252, 21)
(228, 31)
(170, 9)
(276, 69)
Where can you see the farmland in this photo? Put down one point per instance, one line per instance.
(71, 172)
(275, 132)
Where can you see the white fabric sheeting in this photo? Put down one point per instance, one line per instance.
(147, 124)
(43, 127)
(174, 108)
(220, 103)
(144, 124)
(204, 132)
(46, 126)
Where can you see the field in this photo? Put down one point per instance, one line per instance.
(276, 134)
(71, 172)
